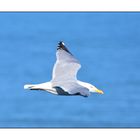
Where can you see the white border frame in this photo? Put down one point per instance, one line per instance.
(69, 5)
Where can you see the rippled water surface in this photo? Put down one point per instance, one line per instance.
(106, 44)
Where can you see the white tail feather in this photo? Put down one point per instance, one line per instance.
(44, 86)
(28, 86)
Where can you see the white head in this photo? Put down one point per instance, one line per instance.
(90, 87)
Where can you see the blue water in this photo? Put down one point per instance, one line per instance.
(106, 44)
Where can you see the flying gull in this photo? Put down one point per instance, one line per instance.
(64, 80)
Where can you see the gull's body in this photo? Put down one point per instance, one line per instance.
(64, 80)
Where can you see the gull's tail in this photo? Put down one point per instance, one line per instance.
(32, 87)
(42, 86)
(29, 86)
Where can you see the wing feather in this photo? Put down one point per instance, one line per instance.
(66, 66)
(65, 72)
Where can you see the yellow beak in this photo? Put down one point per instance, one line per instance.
(99, 91)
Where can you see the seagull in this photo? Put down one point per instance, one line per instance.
(64, 77)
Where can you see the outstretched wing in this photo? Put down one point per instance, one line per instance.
(65, 71)
(73, 88)
(66, 66)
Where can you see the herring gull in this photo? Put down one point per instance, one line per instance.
(64, 80)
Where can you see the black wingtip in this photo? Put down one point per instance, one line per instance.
(61, 45)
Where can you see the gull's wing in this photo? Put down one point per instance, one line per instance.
(66, 66)
(65, 71)
(72, 88)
